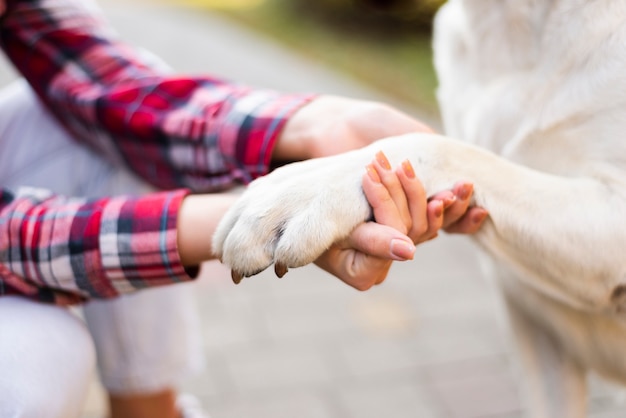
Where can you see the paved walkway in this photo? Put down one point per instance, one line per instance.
(426, 344)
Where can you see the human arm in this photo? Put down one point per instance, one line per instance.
(173, 130)
(66, 250)
(197, 132)
(403, 217)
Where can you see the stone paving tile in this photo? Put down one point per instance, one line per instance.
(617, 413)
(276, 367)
(607, 400)
(365, 358)
(380, 398)
(276, 405)
(315, 315)
(474, 388)
(446, 340)
(599, 388)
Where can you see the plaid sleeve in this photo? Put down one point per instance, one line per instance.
(66, 250)
(173, 131)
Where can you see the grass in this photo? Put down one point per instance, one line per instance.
(399, 65)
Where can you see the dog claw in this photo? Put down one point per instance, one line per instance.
(236, 276)
(280, 270)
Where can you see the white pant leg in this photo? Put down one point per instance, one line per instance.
(146, 341)
(47, 360)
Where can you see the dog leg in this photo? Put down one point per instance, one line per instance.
(555, 385)
(561, 233)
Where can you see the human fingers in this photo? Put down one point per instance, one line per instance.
(415, 195)
(361, 271)
(376, 247)
(364, 258)
(383, 206)
(434, 214)
(454, 212)
(381, 241)
(392, 183)
(382, 121)
(373, 247)
(470, 222)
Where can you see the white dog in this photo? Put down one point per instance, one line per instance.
(538, 87)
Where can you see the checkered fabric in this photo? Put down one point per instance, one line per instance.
(199, 133)
(66, 250)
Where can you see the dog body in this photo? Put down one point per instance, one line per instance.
(538, 83)
(537, 92)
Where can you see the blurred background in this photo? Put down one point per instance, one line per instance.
(384, 43)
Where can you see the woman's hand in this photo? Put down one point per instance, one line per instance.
(331, 125)
(404, 217)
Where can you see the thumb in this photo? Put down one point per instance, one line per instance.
(382, 241)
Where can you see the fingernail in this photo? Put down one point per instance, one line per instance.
(382, 160)
(479, 217)
(465, 191)
(408, 169)
(373, 174)
(438, 208)
(448, 201)
(402, 250)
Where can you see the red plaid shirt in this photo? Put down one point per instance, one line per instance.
(199, 133)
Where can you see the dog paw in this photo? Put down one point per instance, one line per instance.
(291, 216)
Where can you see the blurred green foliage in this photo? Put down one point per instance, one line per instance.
(384, 43)
(392, 17)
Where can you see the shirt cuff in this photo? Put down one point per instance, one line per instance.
(138, 243)
(255, 121)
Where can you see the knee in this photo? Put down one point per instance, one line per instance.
(47, 358)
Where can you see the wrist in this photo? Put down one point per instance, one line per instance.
(198, 218)
(306, 133)
(294, 141)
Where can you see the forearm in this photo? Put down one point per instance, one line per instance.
(197, 219)
(198, 132)
(66, 250)
(330, 125)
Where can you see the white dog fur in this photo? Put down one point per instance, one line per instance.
(536, 89)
